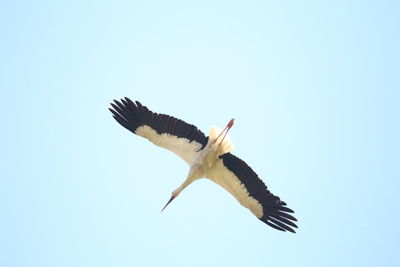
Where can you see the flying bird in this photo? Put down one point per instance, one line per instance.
(207, 156)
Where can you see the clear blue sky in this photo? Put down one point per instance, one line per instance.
(313, 86)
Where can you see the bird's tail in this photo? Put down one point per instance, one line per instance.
(226, 145)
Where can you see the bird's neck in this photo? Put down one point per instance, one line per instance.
(195, 173)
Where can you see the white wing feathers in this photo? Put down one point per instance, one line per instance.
(183, 147)
(165, 131)
(230, 172)
(243, 183)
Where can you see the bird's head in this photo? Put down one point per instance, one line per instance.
(174, 194)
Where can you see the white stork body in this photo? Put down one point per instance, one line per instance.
(208, 157)
(207, 164)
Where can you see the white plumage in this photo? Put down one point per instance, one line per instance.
(207, 157)
(181, 146)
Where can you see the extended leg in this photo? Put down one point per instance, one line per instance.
(227, 128)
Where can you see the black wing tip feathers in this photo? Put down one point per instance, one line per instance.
(124, 115)
(280, 220)
(279, 216)
(280, 224)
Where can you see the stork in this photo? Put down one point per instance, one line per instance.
(207, 157)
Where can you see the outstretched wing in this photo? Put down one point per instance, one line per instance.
(242, 182)
(165, 131)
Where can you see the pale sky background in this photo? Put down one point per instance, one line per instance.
(313, 86)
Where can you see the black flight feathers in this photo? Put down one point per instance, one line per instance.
(132, 115)
(275, 210)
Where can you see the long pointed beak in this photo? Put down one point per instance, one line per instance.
(169, 201)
